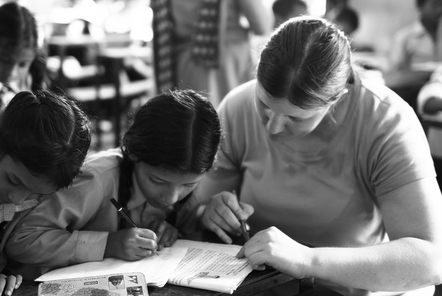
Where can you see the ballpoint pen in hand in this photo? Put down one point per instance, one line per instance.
(244, 231)
(125, 216)
(122, 213)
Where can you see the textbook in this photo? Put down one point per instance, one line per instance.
(131, 284)
(195, 264)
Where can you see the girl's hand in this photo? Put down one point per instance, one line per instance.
(166, 233)
(274, 248)
(9, 283)
(224, 213)
(131, 244)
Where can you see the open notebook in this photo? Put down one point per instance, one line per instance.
(202, 265)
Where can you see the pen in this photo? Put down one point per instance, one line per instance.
(125, 216)
(244, 231)
(122, 213)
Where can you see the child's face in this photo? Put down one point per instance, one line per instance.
(18, 184)
(20, 71)
(163, 188)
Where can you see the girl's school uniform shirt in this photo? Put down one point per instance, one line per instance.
(72, 226)
(10, 215)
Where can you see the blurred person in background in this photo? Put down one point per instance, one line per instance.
(286, 9)
(211, 54)
(347, 19)
(22, 62)
(421, 41)
(429, 107)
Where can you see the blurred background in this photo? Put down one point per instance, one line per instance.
(101, 52)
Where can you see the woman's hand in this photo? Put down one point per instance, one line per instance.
(274, 248)
(9, 283)
(166, 233)
(224, 213)
(131, 244)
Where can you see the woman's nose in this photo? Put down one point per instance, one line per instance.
(275, 124)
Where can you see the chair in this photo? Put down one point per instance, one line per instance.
(116, 90)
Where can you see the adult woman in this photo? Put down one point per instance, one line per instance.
(165, 153)
(334, 162)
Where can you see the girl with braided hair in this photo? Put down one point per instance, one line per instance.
(167, 150)
(44, 139)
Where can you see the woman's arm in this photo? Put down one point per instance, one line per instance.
(411, 260)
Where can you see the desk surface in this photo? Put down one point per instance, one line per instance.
(255, 282)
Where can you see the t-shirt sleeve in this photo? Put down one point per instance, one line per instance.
(398, 151)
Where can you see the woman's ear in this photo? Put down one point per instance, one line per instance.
(129, 155)
(132, 157)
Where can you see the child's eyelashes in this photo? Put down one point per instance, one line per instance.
(11, 181)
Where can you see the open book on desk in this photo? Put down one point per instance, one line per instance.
(201, 265)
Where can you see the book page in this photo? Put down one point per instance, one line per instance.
(156, 268)
(211, 267)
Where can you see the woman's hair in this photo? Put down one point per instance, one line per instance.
(18, 29)
(308, 61)
(177, 130)
(46, 132)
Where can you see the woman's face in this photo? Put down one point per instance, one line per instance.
(18, 184)
(163, 188)
(282, 119)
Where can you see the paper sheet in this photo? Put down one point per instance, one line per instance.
(211, 267)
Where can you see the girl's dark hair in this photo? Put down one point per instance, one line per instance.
(308, 61)
(46, 132)
(18, 29)
(178, 130)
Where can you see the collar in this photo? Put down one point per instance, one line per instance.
(136, 196)
(7, 211)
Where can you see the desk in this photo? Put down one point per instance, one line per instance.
(255, 282)
(251, 285)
